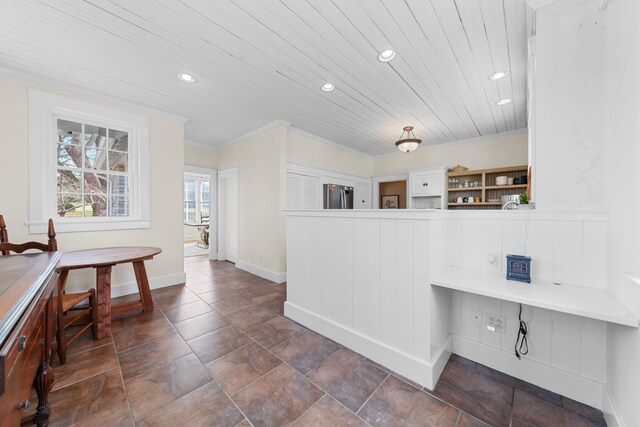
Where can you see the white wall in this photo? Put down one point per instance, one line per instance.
(493, 151)
(261, 162)
(586, 145)
(363, 279)
(623, 139)
(568, 251)
(166, 136)
(200, 155)
(309, 150)
(569, 95)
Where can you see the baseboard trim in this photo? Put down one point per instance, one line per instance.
(410, 366)
(440, 361)
(154, 283)
(611, 411)
(545, 376)
(262, 272)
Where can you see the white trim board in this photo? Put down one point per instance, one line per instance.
(416, 369)
(306, 170)
(262, 272)
(545, 376)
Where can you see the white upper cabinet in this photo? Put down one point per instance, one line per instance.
(426, 189)
(426, 183)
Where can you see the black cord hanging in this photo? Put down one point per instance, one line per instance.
(522, 337)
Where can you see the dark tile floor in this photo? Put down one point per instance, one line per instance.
(217, 351)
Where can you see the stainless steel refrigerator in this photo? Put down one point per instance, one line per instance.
(338, 197)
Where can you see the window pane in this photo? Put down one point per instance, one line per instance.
(95, 183)
(69, 205)
(95, 205)
(119, 184)
(94, 136)
(118, 140)
(69, 132)
(95, 159)
(69, 156)
(118, 162)
(119, 206)
(69, 181)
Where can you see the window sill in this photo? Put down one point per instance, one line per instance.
(89, 225)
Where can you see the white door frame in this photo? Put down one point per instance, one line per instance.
(213, 196)
(388, 178)
(222, 177)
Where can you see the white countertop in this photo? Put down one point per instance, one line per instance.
(578, 300)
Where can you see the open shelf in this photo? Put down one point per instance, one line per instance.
(505, 187)
(487, 188)
(476, 203)
(577, 300)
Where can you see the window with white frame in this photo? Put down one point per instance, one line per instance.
(196, 197)
(89, 165)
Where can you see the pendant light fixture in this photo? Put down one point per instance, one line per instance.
(408, 143)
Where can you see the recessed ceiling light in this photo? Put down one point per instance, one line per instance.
(327, 87)
(387, 55)
(503, 101)
(185, 77)
(498, 75)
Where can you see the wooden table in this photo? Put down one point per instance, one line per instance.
(102, 259)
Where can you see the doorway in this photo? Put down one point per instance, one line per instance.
(394, 188)
(228, 212)
(199, 212)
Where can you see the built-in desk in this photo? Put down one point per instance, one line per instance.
(578, 300)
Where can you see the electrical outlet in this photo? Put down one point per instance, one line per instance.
(495, 323)
(476, 317)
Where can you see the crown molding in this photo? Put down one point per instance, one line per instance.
(254, 132)
(200, 144)
(90, 95)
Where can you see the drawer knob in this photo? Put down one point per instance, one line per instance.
(24, 404)
(22, 342)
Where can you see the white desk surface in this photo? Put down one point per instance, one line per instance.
(578, 300)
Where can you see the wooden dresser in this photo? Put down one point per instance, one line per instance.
(28, 285)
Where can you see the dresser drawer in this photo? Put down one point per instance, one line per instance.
(20, 357)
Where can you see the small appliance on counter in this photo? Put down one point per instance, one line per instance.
(337, 197)
(519, 268)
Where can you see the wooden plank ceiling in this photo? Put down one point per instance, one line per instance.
(257, 61)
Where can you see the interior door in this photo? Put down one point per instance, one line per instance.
(228, 215)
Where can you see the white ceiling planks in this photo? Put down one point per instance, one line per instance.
(414, 71)
(257, 61)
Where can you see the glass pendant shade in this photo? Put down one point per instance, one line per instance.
(408, 143)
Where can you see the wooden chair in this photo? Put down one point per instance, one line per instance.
(66, 302)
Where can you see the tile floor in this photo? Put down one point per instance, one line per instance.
(219, 352)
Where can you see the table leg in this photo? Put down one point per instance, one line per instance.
(143, 286)
(103, 297)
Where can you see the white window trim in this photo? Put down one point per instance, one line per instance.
(44, 108)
